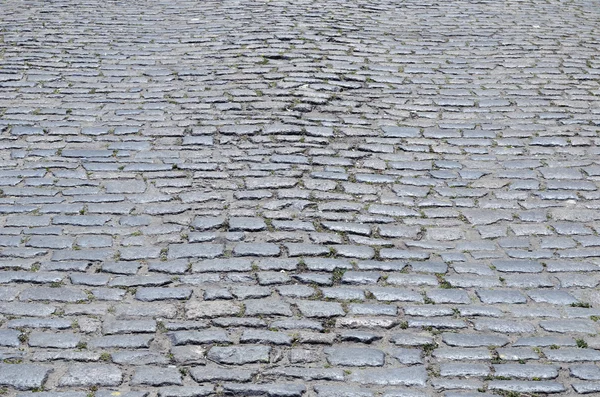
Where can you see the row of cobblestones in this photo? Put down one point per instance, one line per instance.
(310, 198)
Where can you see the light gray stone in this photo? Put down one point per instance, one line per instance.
(87, 375)
(23, 376)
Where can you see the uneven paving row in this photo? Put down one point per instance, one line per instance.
(317, 198)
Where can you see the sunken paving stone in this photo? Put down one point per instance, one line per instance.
(299, 199)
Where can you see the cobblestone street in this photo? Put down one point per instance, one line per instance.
(307, 198)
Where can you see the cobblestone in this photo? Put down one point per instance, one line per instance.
(88, 375)
(23, 376)
(299, 198)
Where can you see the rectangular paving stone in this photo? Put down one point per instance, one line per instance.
(320, 309)
(120, 341)
(285, 389)
(354, 357)
(195, 310)
(223, 265)
(186, 391)
(62, 340)
(53, 294)
(138, 357)
(501, 296)
(143, 309)
(213, 374)
(256, 249)
(239, 355)
(8, 293)
(199, 337)
(569, 355)
(387, 294)
(9, 338)
(528, 371)
(410, 376)
(26, 309)
(49, 323)
(265, 337)
(24, 376)
(156, 376)
(88, 375)
(81, 220)
(150, 294)
(195, 250)
(267, 307)
(114, 327)
(527, 386)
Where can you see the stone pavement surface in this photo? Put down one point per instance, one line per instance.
(299, 198)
